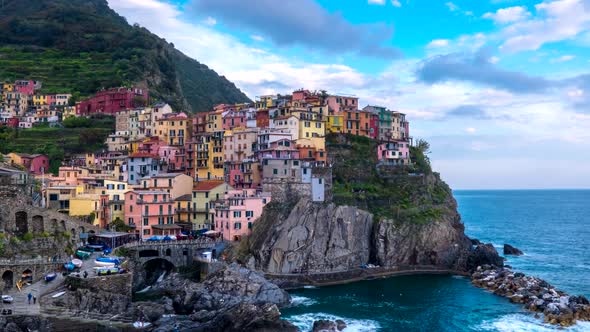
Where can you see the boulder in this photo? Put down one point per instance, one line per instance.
(324, 325)
(510, 250)
(484, 254)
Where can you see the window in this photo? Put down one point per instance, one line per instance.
(295, 162)
(249, 214)
(320, 181)
(206, 194)
(145, 221)
(130, 208)
(275, 171)
(237, 214)
(238, 225)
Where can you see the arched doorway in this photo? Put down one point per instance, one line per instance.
(168, 252)
(54, 225)
(22, 225)
(63, 225)
(8, 279)
(73, 231)
(155, 268)
(37, 224)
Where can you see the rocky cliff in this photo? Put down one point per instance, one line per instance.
(392, 217)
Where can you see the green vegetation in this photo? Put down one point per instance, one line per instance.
(57, 142)
(81, 46)
(122, 252)
(27, 237)
(119, 225)
(402, 194)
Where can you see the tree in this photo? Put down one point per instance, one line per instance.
(119, 225)
(419, 155)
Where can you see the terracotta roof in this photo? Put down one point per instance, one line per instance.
(184, 198)
(207, 185)
(142, 155)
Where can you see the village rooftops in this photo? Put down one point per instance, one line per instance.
(207, 185)
(143, 155)
(184, 198)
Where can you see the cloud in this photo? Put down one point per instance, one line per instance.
(470, 130)
(376, 2)
(438, 43)
(210, 21)
(478, 68)
(468, 111)
(508, 15)
(396, 3)
(257, 37)
(303, 23)
(554, 21)
(564, 58)
(452, 7)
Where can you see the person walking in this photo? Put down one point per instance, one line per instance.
(34, 300)
(29, 296)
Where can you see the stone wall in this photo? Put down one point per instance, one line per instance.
(116, 284)
(290, 191)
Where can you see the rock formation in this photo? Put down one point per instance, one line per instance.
(510, 250)
(536, 294)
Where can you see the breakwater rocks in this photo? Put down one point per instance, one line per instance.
(536, 294)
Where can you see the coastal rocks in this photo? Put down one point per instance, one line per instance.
(323, 325)
(510, 250)
(536, 294)
(24, 323)
(232, 299)
(312, 238)
(484, 254)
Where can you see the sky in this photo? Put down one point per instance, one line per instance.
(499, 88)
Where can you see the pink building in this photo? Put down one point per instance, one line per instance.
(234, 119)
(150, 212)
(35, 163)
(394, 153)
(25, 86)
(337, 104)
(150, 145)
(235, 215)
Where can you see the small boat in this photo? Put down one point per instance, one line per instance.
(107, 271)
(95, 247)
(104, 264)
(69, 266)
(58, 294)
(77, 262)
(83, 254)
(109, 260)
(7, 299)
(141, 325)
(50, 276)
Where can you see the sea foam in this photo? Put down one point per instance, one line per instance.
(527, 323)
(305, 322)
(297, 300)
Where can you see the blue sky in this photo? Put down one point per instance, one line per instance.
(500, 88)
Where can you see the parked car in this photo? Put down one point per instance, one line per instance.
(7, 299)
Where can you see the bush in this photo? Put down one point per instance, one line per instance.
(27, 237)
(76, 122)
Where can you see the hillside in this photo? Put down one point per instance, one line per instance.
(80, 46)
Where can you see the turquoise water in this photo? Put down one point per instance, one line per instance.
(551, 227)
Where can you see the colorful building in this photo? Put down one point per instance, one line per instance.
(235, 215)
(113, 100)
(150, 212)
(204, 192)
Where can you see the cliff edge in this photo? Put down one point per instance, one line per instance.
(396, 218)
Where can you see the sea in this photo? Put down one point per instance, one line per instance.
(551, 227)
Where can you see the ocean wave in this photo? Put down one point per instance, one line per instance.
(305, 322)
(527, 323)
(297, 300)
(309, 287)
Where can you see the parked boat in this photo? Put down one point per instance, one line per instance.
(109, 260)
(77, 262)
(104, 264)
(58, 294)
(101, 271)
(96, 247)
(141, 325)
(69, 266)
(83, 254)
(50, 276)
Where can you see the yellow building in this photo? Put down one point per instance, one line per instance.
(182, 209)
(335, 124)
(209, 157)
(172, 128)
(203, 193)
(312, 128)
(8, 87)
(214, 121)
(115, 190)
(84, 205)
(68, 111)
(39, 100)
